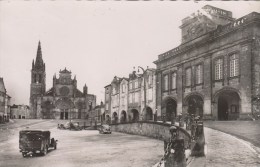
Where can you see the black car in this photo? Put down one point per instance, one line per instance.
(35, 141)
(105, 129)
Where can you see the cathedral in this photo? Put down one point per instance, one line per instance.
(64, 100)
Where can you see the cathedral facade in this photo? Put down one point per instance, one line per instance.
(64, 100)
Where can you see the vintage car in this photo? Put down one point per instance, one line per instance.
(35, 141)
(104, 129)
(70, 125)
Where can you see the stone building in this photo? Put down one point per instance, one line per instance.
(131, 99)
(4, 103)
(97, 114)
(215, 71)
(19, 112)
(64, 100)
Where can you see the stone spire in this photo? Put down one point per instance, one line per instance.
(39, 62)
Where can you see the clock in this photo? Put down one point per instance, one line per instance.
(64, 91)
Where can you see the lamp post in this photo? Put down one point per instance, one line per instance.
(144, 73)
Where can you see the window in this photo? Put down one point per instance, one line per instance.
(136, 99)
(107, 96)
(234, 65)
(136, 84)
(130, 98)
(123, 88)
(174, 79)
(199, 74)
(188, 77)
(150, 79)
(34, 78)
(165, 82)
(123, 101)
(40, 78)
(130, 85)
(219, 69)
(150, 94)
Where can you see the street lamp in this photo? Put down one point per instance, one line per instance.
(144, 73)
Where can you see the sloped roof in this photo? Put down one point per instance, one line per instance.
(78, 93)
(2, 85)
(49, 92)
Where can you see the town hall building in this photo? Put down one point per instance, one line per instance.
(64, 100)
(215, 71)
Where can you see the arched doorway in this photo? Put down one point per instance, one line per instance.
(123, 116)
(108, 119)
(228, 105)
(195, 105)
(149, 114)
(171, 109)
(103, 117)
(114, 118)
(65, 105)
(135, 115)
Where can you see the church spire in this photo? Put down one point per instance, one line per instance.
(39, 62)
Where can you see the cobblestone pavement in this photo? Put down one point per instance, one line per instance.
(246, 130)
(224, 150)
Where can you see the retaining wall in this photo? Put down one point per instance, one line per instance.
(155, 130)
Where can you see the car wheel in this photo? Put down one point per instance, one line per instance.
(45, 150)
(24, 154)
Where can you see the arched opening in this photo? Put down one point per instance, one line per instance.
(114, 118)
(103, 117)
(195, 105)
(108, 119)
(123, 116)
(228, 105)
(65, 105)
(171, 110)
(149, 114)
(135, 115)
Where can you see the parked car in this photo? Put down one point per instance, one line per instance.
(35, 141)
(70, 125)
(104, 129)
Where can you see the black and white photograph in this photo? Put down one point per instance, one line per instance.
(129, 83)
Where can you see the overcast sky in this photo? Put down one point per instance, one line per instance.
(95, 40)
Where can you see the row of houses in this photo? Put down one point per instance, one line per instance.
(4, 103)
(10, 112)
(214, 73)
(132, 98)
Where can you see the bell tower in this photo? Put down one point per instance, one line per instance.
(38, 84)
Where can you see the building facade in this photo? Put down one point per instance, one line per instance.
(97, 114)
(4, 103)
(131, 99)
(215, 71)
(19, 112)
(64, 100)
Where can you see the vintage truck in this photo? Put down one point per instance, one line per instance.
(35, 141)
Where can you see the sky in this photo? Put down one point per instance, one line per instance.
(95, 40)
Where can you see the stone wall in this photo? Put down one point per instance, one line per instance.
(150, 129)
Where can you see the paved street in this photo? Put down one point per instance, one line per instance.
(224, 150)
(247, 130)
(83, 148)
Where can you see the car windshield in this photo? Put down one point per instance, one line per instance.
(31, 137)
